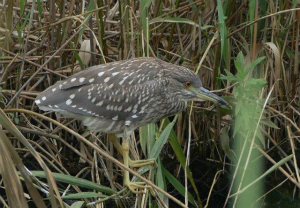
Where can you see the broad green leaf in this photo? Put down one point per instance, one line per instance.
(181, 157)
(78, 204)
(269, 123)
(178, 186)
(163, 138)
(239, 65)
(76, 181)
(229, 76)
(253, 64)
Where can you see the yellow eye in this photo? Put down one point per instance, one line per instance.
(188, 84)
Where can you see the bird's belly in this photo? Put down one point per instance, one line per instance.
(103, 125)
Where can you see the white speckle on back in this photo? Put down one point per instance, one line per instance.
(73, 80)
(100, 74)
(115, 118)
(69, 102)
(106, 79)
(94, 99)
(79, 89)
(44, 98)
(53, 89)
(115, 73)
(81, 79)
(55, 106)
(72, 96)
(37, 101)
(60, 86)
(73, 106)
(127, 123)
(134, 116)
(91, 80)
(65, 82)
(99, 103)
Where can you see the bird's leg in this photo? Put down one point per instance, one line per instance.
(131, 185)
(132, 163)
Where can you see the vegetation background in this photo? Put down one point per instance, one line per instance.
(246, 51)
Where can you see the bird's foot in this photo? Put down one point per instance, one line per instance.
(142, 163)
(138, 187)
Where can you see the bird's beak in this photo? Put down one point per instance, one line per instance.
(204, 94)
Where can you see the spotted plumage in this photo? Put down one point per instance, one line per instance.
(121, 94)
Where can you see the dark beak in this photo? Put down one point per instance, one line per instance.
(204, 94)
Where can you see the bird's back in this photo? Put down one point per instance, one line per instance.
(111, 96)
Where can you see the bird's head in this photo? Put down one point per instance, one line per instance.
(189, 86)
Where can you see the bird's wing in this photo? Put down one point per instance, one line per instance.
(106, 91)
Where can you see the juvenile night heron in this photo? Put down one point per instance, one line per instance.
(121, 96)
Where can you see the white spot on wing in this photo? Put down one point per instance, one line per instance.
(134, 116)
(106, 79)
(115, 118)
(72, 96)
(73, 80)
(127, 123)
(53, 89)
(37, 101)
(91, 80)
(81, 79)
(99, 103)
(115, 73)
(69, 102)
(44, 98)
(100, 74)
(94, 99)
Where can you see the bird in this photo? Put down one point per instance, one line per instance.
(118, 97)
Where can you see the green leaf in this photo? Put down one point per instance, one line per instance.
(253, 64)
(240, 64)
(78, 204)
(229, 77)
(84, 195)
(222, 26)
(181, 158)
(76, 181)
(160, 180)
(269, 123)
(40, 8)
(147, 137)
(145, 4)
(224, 140)
(158, 145)
(178, 186)
(22, 6)
(173, 20)
(274, 167)
(77, 55)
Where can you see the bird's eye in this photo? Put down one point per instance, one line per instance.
(188, 84)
